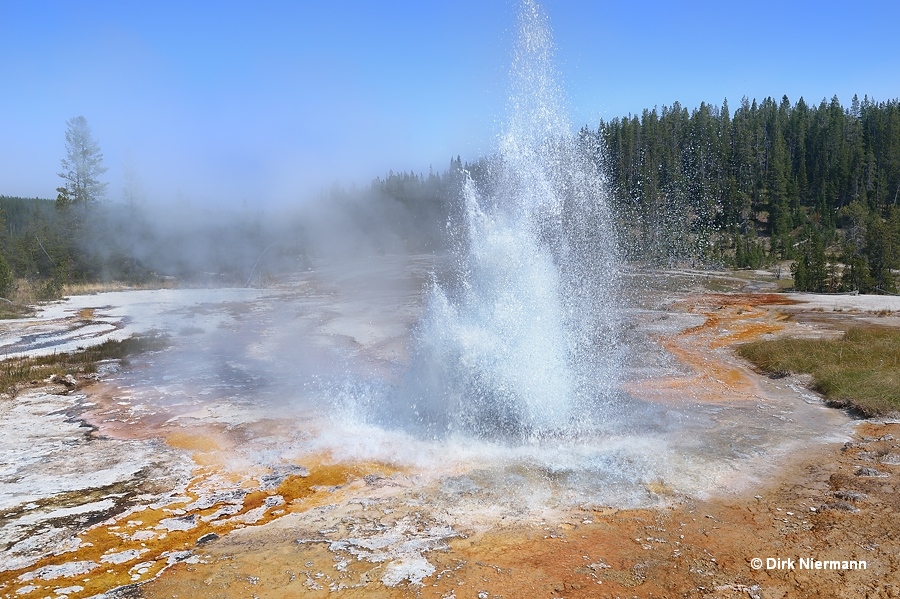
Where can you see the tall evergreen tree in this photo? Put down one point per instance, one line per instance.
(82, 166)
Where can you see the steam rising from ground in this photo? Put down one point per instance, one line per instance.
(226, 247)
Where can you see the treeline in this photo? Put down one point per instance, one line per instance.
(819, 185)
(39, 248)
(815, 185)
(428, 201)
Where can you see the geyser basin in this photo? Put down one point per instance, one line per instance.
(305, 356)
(242, 421)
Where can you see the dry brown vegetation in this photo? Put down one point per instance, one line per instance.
(27, 293)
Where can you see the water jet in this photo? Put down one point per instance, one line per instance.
(523, 344)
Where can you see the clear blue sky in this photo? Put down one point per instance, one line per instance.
(262, 102)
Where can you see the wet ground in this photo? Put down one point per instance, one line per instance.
(835, 505)
(244, 472)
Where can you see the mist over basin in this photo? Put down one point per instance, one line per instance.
(319, 353)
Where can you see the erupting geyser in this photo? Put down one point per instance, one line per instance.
(523, 345)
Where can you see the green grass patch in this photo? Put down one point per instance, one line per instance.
(861, 370)
(718, 284)
(16, 372)
(784, 284)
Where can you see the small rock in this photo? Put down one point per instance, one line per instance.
(178, 523)
(273, 500)
(173, 557)
(108, 367)
(841, 506)
(69, 590)
(67, 380)
(850, 495)
(870, 473)
(208, 537)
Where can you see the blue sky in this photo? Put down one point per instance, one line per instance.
(231, 102)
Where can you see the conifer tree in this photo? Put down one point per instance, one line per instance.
(82, 166)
